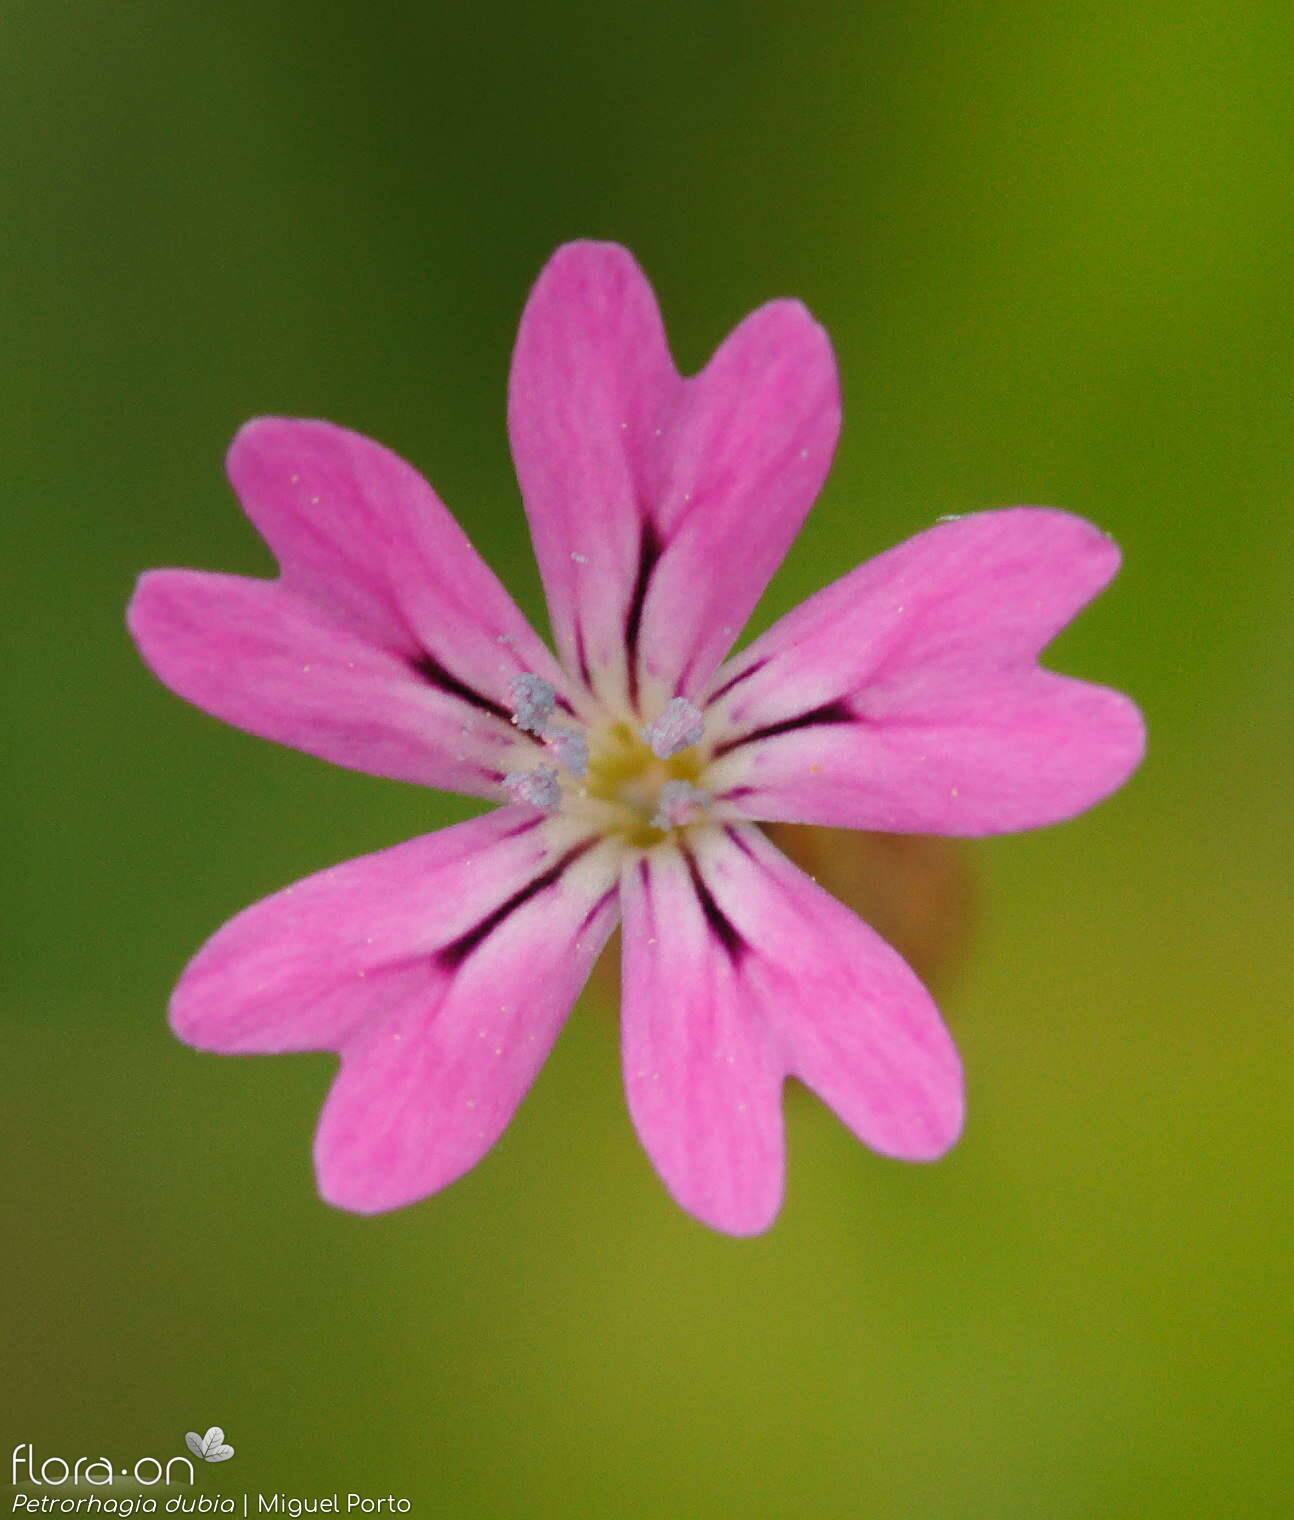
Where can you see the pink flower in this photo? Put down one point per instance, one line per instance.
(633, 769)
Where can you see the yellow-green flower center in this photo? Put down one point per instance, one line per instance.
(634, 785)
(624, 773)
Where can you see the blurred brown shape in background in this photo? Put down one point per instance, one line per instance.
(918, 891)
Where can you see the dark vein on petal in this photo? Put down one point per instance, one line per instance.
(648, 905)
(735, 836)
(829, 712)
(735, 794)
(650, 547)
(736, 680)
(582, 658)
(720, 925)
(435, 674)
(526, 826)
(597, 908)
(456, 952)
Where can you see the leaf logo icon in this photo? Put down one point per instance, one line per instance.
(211, 1447)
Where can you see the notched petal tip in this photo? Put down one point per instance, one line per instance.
(137, 608)
(1074, 551)
(154, 612)
(596, 256)
(208, 1011)
(746, 1223)
(787, 323)
(265, 445)
(1106, 745)
(1126, 734)
(260, 435)
(940, 1131)
(269, 456)
(750, 1211)
(589, 279)
(366, 1192)
(184, 1015)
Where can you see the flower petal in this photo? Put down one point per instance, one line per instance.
(854, 1022)
(748, 456)
(906, 696)
(638, 483)
(592, 383)
(386, 645)
(920, 892)
(266, 660)
(703, 1076)
(358, 531)
(442, 969)
(738, 970)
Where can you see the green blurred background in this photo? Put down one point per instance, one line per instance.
(1053, 245)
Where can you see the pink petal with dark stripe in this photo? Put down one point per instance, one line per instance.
(738, 971)
(907, 695)
(266, 660)
(640, 485)
(387, 644)
(442, 969)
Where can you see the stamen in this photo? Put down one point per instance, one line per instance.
(678, 727)
(533, 700)
(538, 788)
(678, 803)
(571, 748)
